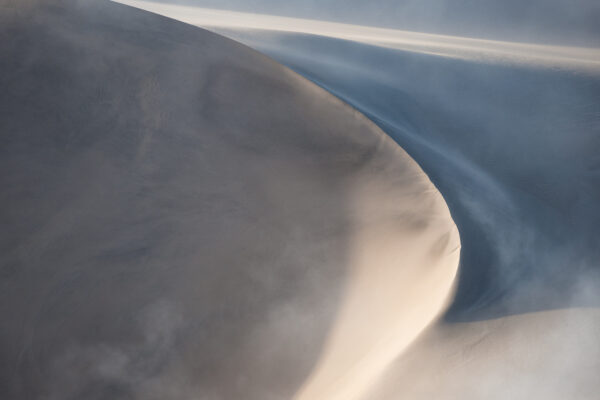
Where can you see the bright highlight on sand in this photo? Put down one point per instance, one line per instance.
(578, 58)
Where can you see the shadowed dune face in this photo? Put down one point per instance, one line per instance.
(184, 218)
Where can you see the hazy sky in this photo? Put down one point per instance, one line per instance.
(570, 57)
(543, 21)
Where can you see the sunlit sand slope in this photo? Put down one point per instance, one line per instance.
(474, 49)
(183, 218)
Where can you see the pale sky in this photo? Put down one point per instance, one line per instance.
(577, 58)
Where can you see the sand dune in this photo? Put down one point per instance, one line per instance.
(184, 218)
(509, 134)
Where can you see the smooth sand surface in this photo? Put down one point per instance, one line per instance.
(184, 218)
(510, 136)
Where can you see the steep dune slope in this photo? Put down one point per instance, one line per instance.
(513, 144)
(513, 149)
(515, 153)
(184, 218)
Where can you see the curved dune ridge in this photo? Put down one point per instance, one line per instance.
(184, 218)
(509, 134)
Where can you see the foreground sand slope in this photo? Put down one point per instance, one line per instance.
(545, 355)
(184, 218)
(467, 48)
